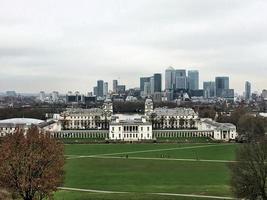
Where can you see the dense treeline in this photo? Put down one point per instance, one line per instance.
(128, 107)
(36, 112)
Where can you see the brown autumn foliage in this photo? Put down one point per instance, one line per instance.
(31, 164)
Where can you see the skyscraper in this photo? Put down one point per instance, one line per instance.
(180, 79)
(147, 89)
(95, 90)
(115, 85)
(55, 96)
(169, 78)
(152, 84)
(142, 82)
(247, 90)
(105, 91)
(100, 88)
(222, 84)
(209, 89)
(193, 80)
(157, 83)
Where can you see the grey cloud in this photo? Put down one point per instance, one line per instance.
(71, 44)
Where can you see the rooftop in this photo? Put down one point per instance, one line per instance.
(218, 125)
(21, 121)
(75, 111)
(174, 111)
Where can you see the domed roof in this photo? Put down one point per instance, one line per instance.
(27, 121)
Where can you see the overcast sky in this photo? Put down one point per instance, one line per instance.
(68, 45)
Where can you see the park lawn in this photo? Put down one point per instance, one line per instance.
(212, 152)
(148, 176)
(95, 149)
(71, 195)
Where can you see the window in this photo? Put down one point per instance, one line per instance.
(112, 128)
(112, 135)
(141, 128)
(119, 135)
(119, 128)
(147, 128)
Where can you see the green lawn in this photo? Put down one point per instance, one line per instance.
(67, 195)
(93, 149)
(147, 176)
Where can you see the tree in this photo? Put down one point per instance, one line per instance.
(250, 127)
(192, 123)
(249, 173)
(31, 164)
(172, 121)
(181, 123)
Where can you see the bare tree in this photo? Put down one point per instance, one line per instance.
(31, 164)
(249, 173)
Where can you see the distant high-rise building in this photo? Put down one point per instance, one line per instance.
(147, 89)
(264, 94)
(95, 90)
(152, 84)
(100, 88)
(105, 89)
(55, 96)
(11, 93)
(42, 96)
(115, 85)
(121, 88)
(193, 80)
(221, 83)
(170, 78)
(157, 83)
(142, 82)
(209, 89)
(247, 90)
(157, 96)
(228, 94)
(180, 79)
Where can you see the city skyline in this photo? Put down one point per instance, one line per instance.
(70, 47)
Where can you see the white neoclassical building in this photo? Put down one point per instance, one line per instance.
(220, 131)
(101, 123)
(130, 128)
(84, 119)
(10, 126)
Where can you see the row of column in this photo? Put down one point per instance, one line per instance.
(130, 128)
(80, 135)
(183, 134)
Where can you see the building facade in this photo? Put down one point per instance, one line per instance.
(180, 79)
(193, 79)
(157, 83)
(247, 91)
(209, 89)
(169, 78)
(101, 123)
(130, 128)
(221, 84)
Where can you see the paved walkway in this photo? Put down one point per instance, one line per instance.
(161, 194)
(163, 159)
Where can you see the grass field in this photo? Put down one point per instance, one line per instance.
(142, 169)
